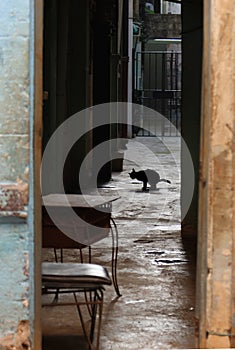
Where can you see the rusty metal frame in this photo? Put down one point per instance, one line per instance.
(94, 306)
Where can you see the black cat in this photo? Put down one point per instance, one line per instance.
(147, 176)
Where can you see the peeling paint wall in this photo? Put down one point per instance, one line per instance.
(14, 287)
(15, 235)
(215, 294)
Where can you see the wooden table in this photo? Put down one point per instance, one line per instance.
(91, 223)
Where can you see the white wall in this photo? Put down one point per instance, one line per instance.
(170, 7)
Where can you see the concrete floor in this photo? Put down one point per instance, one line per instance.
(156, 270)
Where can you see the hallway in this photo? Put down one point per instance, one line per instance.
(156, 271)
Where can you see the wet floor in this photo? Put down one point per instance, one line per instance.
(156, 273)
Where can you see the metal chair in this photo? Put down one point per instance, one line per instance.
(94, 225)
(78, 279)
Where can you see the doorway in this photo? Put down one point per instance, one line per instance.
(64, 102)
(157, 85)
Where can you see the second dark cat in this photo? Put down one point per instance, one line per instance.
(147, 176)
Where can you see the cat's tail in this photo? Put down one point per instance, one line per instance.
(164, 180)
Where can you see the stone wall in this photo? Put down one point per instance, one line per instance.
(162, 26)
(15, 235)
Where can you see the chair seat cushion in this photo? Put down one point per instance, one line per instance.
(74, 273)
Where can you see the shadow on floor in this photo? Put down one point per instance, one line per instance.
(68, 342)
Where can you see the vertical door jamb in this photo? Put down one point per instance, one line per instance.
(37, 155)
(201, 281)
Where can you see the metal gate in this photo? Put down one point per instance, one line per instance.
(157, 85)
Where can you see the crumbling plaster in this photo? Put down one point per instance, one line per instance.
(15, 229)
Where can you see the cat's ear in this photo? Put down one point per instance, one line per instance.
(133, 169)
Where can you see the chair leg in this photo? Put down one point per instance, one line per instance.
(81, 255)
(61, 255)
(55, 254)
(95, 303)
(101, 298)
(88, 303)
(114, 233)
(56, 298)
(93, 317)
(89, 254)
(82, 322)
(90, 293)
(98, 304)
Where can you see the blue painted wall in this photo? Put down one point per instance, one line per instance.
(14, 287)
(16, 234)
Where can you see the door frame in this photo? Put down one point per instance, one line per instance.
(216, 234)
(37, 156)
